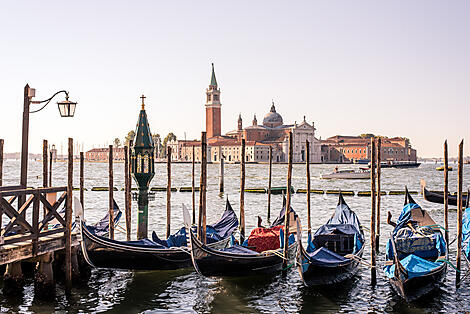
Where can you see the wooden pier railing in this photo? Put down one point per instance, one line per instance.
(28, 230)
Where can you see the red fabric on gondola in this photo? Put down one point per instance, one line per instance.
(263, 239)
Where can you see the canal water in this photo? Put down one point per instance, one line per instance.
(185, 291)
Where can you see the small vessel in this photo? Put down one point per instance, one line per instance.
(441, 168)
(153, 254)
(399, 164)
(334, 251)
(363, 173)
(416, 253)
(260, 253)
(438, 197)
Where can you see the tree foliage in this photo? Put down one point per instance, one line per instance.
(117, 142)
(130, 136)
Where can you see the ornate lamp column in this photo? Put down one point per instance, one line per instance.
(142, 168)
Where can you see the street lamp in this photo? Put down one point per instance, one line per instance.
(142, 168)
(66, 109)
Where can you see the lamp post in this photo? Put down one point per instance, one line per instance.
(142, 168)
(66, 109)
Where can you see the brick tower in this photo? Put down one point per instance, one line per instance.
(213, 107)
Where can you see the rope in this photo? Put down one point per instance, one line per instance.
(449, 263)
(288, 266)
(436, 225)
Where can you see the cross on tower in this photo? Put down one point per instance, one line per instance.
(143, 98)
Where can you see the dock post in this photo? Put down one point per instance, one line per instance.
(82, 180)
(44, 284)
(50, 168)
(309, 221)
(1, 162)
(459, 214)
(373, 250)
(13, 280)
(193, 189)
(202, 191)
(287, 209)
(221, 179)
(377, 164)
(45, 173)
(68, 221)
(242, 192)
(127, 193)
(168, 193)
(446, 193)
(269, 181)
(111, 193)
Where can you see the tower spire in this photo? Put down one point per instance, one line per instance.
(143, 104)
(213, 79)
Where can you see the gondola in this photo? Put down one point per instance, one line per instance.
(152, 254)
(261, 253)
(334, 252)
(435, 197)
(416, 253)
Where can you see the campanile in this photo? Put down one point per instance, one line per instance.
(213, 108)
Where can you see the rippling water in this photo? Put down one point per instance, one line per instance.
(123, 291)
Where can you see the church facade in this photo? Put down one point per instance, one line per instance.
(258, 137)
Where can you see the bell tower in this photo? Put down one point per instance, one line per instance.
(213, 120)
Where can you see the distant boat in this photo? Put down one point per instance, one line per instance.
(438, 197)
(399, 164)
(441, 168)
(348, 174)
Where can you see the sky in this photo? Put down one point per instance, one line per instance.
(393, 68)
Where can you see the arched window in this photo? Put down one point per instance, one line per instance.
(146, 163)
(139, 163)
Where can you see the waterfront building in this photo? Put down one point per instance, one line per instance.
(346, 149)
(258, 138)
(102, 154)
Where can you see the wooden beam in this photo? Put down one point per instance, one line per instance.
(373, 249)
(446, 193)
(459, 214)
(309, 221)
(269, 181)
(168, 193)
(242, 192)
(287, 209)
(127, 193)
(68, 220)
(111, 192)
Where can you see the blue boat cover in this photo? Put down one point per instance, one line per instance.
(238, 249)
(280, 219)
(414, 265)
(466, 232)
(101, 228)
(214, 233)
(405, 216)
(326, 258)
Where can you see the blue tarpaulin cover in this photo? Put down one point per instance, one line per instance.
(466, 232)
(216, 232)
(101, 228)
(405, 216)
(414, 265)
(326, 258)
(238, 249)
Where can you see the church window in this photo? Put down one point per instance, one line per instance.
(146, 163)
(208, 97)
(216, 97)
(139, 163)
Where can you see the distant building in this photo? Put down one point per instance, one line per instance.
(346, 149)
(258, 138)
(102, 154)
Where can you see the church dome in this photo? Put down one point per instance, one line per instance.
(272, 119)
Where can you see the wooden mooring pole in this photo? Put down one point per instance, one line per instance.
(242, 192)
(446, 193)
(111, 193)
(221, 179)
(201, 225)
(193, 187)
(287, 209)
(68, 221)
(373, 250)
(307, 163)
(377, 164)
(1, 162)
(269, 181)
(168, 193)
(82, 180)
(459, 214)
(127, 193)
(45, 173)
(50, 168)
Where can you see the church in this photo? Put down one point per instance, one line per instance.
(258, 138)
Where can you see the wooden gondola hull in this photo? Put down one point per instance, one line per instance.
(210, 262)
(105, 253)
(417, 287)
(316, 275)
(439, 197)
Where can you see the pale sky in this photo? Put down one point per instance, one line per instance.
(394, 68)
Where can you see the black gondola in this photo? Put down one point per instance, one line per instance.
(416, 253)
(153, 254)
(333, 253)
(435, 197)
(242, 260)
(466, 229)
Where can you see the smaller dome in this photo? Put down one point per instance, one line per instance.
(272, 119)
